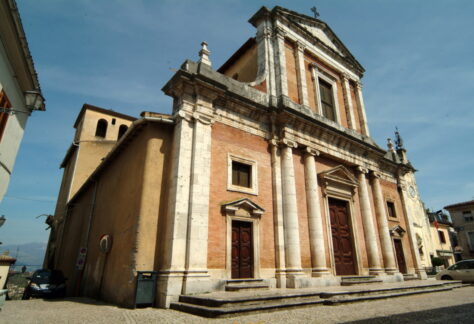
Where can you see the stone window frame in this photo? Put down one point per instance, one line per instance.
(318, 72)
(253, 190)
(396, 218)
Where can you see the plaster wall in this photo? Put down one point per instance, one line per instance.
(245, 66)
(463, 229)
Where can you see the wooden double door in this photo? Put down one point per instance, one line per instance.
(341, 237)
(242, 250)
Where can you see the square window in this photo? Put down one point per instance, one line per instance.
(242, 175)
(391, 209)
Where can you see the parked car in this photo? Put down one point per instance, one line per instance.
(462, 270)
(45, 283)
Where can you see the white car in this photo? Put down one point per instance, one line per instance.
(463, 270)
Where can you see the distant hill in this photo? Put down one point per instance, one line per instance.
(30, 254)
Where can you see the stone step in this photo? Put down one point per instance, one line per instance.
(337, 301)
(231, 305)
(246, 287)
(245, 284)
(247, 300)
(409, 276)
(388, 291)
(361, 282)
(240, 309)
(349, 278)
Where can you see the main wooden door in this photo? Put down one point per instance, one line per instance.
(341, 237)
(402, 266)
(242, 250)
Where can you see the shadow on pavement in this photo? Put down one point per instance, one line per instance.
(454, 314)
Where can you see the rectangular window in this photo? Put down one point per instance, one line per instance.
(391, 209)
(442, 239)
(4, 105)
(468, 217)
(327, 100)
(241, 174)
(470, 236)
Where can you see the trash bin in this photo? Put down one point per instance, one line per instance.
(146, 287)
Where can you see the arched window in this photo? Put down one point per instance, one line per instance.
(101, 129)
(122, 130)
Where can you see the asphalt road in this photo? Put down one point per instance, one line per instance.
(455, 306)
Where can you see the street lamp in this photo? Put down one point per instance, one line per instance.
(34, 100)
(2, 220)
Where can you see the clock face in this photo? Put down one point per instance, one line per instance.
(412, 191)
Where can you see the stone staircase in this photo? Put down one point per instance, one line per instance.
(359, 280)
(410, 276)
(245, 284)
(229, 304)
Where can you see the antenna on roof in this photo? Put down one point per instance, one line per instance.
(315, 12)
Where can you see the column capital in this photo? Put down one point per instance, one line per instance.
(311, 151)
(279, 32)
(362, 170)
(300, 46)
(204, 119)
(289, 143)
(346, 77)
(264, 33)
(314, 66)
(376, 175)
(359, 85)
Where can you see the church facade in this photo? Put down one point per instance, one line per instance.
(264, 169)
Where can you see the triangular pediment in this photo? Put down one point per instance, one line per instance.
(320, 34)
(397, 231)
(339, 174)
(243, 207)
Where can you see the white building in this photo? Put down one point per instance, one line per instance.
(20, 91)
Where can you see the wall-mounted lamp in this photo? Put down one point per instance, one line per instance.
(2, 220)
(34, 101)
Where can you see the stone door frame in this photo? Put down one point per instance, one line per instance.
(243, 210)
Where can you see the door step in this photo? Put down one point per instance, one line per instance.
(359, 280)
(246, 284)
(409, 276)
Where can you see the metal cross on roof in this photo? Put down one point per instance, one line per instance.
(315, 12)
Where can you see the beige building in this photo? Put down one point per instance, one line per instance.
(462, 215)
(264, 169)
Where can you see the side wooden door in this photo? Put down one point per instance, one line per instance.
(341, 238)
(402, 266)
(242, 250)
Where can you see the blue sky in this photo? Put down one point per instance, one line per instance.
(418, 57)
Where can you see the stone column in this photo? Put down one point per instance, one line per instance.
(348, 101)
(315, 221)
(196, 277)
(384, 232)
(368, 224)
(419, 270)
(281, 77)
(278, 216)
(301, 74)
(290, 214)
(360, 103)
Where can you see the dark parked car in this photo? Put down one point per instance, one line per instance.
(46, 284)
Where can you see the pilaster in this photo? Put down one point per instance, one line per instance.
(301, 74)
(362, 116)
(281, 75)
(419, 270)
(348, 101)
(317, 93)
(368, 224)
(278, 216)
(315, 222)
